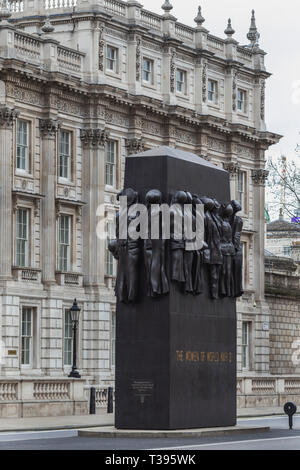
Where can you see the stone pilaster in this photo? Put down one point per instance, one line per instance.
(233, 169)
(7, 119)
(93, 142)
(48, 133)
(259, 177)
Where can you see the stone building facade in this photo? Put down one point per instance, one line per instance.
(83, 84)
(283, 239)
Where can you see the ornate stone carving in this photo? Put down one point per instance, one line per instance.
(135, 145)
(262, 99)
(234, 91)
(49, 127)
(93, 137)
(260, 176)
(7, 116)
(218, 145)
(232, 168)
(138, 59)
(101, 50)
(172, 70)
(25, 95)
(204, 82)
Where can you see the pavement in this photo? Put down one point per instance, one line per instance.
(98, 420)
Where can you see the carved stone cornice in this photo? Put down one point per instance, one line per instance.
(260, 177)
(135, 145)
(8, 116)
(49, 127)
(232, 168)
(94, 138)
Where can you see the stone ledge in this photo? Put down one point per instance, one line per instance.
(111, 432)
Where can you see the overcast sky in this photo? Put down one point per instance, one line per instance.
(278, 23)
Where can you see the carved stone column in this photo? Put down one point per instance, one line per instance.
(93, 142)
(48, 133)
(7, 119)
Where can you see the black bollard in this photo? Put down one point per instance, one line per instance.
(110, 400)
(290, 409)
(92, 401)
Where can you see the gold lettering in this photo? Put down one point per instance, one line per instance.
(179, 355)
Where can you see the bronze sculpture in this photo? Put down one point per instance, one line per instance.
(155, 252)
(177, 245)
(227, 248)
(237, 270)
(213, 231)
(221, 251)
(127, 252)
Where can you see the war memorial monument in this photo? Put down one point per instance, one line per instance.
(176, 306)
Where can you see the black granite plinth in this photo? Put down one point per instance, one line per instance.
(175, 355)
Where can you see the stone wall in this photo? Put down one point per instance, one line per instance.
(283, 299)
(284, 335)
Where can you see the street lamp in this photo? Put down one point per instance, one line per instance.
(75, 312)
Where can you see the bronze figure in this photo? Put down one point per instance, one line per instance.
(127, 252)
(237, 270)
(155, 253)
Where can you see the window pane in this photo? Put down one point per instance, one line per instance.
(22, 237)
(111, 58)
(64, 241)
(22, 145)
(111, 149)
(245, 345)
(241, 188)
(27, 333)
(68, 339)
(65, 155)
(147, 70)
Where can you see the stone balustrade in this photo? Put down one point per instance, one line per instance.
(69, 279)
(35, 50)
(267, 391)
(27, 274)
(123, 9)
(47, 396)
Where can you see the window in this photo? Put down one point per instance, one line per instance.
(212, 91)
(27, 336)
(111, 158)
(64, 237)
(113, 339)
(111, 59)
(68, 339)
(246, 326)
(181, 81)
(23, 145)
(148, 70)
(241, 193)
(242, 101)
(287, 250)
(22, 244)
(109, 257)
(65, 155)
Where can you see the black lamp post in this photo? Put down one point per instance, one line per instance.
(75, 312)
